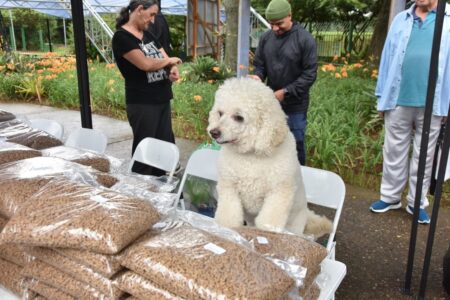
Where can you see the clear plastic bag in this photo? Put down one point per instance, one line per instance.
(12, 152)
(106, 265)
(46, 291)
(88, 158)
(18, 132)
(298, 256)
(51, 276)
(6, 116)
(163, 202)
(77, 271)
(72, 215)
(21, 179)
(195, 264)
(162, 184)
(142, 288)
(10, 276)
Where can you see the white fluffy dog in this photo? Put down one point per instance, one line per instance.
(259, 174)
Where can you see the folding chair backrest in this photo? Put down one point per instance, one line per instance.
(156, 153)
(326, 189)
(88, 139)
(50, 126)
(202, 163)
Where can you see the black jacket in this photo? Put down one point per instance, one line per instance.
(288, 61)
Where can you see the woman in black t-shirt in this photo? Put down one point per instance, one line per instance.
(148, 72)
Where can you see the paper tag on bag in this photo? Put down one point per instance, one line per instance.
(214, 248)
(262, 240)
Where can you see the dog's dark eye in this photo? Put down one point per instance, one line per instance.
(220, 113)
(238, 118)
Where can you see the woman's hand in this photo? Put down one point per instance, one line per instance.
(174, 74)
(174, 61)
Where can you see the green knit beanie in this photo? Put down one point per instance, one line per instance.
(277, 9)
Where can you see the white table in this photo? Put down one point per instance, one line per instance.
(335, 271)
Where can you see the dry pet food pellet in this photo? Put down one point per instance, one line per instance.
(142, 288)
(107, 265)
(288, 247)
(70, 215)
(12, 152)
(60, 280)
(20, 133)
(10, 276)
(13, 253)
(6, 116)
(21, 179)
(46, 291)
(84, 157)
(77, 271)
(194, 264)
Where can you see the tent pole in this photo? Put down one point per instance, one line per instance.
(432, 78)
(64, 32)
(82, 67)
(50, 48)
(13, 35)
(444, 157)
(243, 48)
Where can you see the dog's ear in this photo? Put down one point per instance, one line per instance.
(272, 131)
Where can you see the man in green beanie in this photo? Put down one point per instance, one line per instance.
(287, 57)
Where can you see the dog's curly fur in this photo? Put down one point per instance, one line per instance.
(259, 175)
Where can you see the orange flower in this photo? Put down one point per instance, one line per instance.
(242, 67)
(216, 69)
(335, 58)
(329, 67)
(197, 98)
(337, 75)
(344, 73)
(357, 65)
(210, 81)
(110, 66)
(40, 71)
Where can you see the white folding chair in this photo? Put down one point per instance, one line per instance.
(326, 189)
(50, 126)
(202, 163)
(156, 153)
(88, 139)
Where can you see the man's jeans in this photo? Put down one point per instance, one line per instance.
(297, 124)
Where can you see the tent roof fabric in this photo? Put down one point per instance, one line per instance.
(61, 8)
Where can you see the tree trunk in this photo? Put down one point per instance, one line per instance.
(380, 31)
(231, 34)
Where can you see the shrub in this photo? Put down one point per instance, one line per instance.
(206, 69)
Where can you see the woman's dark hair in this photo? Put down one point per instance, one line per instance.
(124, 14)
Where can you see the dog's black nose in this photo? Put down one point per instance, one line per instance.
(215, 133)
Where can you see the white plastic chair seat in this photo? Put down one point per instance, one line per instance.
(88, 139)
(157, 153)
(325, 188)
(202, 163)
(50, 126)
(335, 272)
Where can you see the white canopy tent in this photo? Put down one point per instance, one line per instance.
(61, 8)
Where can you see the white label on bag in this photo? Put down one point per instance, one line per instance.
(214, 248)
(262, 240)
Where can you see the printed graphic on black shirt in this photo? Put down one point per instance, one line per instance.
(150, 50)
